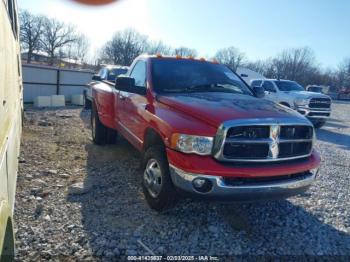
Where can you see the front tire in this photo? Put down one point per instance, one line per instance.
(157, 186)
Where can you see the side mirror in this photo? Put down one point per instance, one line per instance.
(127, 84)
(259, 91)
(96, 78)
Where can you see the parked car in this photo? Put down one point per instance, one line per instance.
(315, 88)
(316, 107)
(203, 131)
(344, 94)
(107, 73)
(247, 74)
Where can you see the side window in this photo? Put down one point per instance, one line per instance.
(139, 73)
(268, 86)
(11, 8)
(256, 83)
(103, 73)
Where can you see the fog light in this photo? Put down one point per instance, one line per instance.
(202, 185)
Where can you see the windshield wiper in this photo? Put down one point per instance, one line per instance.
(199, 87)
(182, 90)
(213, 87)
(193, 88)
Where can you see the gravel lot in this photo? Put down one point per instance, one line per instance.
(109, 216)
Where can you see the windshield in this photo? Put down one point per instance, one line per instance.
(185, 75)
(316, 89)
(113, 73)
(289, 86)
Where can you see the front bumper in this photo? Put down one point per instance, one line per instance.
(221, 190)
(314, 113)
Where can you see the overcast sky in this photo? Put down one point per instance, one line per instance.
(259, 28)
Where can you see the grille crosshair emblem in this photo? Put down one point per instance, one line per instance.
(277, 134)
(273, 145)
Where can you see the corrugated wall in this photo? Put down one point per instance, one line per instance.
(46, 81)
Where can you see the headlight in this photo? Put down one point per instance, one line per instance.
(201, 145)
(301, 101)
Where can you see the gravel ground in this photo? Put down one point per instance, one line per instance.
(57, 218)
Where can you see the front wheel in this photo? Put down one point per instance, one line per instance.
(157, 186)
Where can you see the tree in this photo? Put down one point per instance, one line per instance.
(185, 52)
(158, 47)
(343, 74)
(230, 57)
(295, 64)
(78, 50)
(263, 67)
(30, 33)
(55, 36)
(124, 47)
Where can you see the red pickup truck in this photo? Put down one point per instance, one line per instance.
(203, 131)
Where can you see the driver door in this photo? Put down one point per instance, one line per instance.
(130, 107)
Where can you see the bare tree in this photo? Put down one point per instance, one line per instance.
(78, 50)
(158, 47)
(55, 36)
(230, 57)
(260, 66)
(30, 33)
(295, 64)
(185, 52)
(343, 74)
(124, 47)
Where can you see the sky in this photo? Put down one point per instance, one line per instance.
(258, 28)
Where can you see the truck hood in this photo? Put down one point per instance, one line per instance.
(305, 94)
(215, 108)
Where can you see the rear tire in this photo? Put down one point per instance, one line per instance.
(98, 130)
(157, 185)
(87, 102)
(112, 136)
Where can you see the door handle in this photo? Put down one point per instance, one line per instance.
(121, 97)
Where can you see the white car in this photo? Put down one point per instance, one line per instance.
(315, 106)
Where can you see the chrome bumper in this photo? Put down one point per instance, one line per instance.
(252, 192)
(314, 112)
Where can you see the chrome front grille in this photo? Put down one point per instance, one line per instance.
(320, 103)
(263, 142)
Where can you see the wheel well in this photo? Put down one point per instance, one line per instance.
(152, 138)
(8, 248)
(284, 104)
